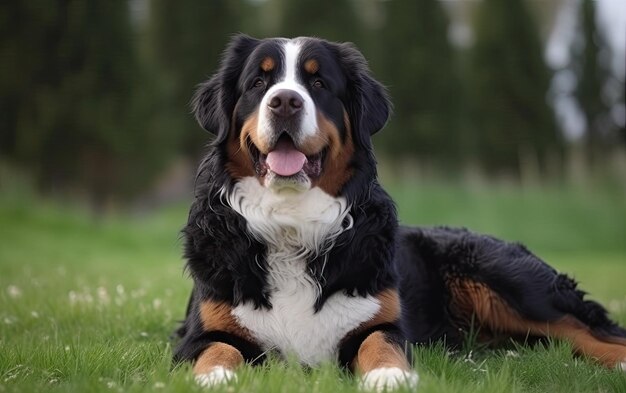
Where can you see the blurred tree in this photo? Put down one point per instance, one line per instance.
(418, 63)
(591, 62)
(508, 79)
(186, 39)
(334, 20)
(70, 74)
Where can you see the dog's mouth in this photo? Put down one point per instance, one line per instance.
(285, 161)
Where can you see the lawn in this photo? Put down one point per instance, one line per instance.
(88, 305)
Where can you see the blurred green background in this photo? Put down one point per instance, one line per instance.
(509, 115)
(509, 119)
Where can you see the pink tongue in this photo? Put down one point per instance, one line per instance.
(285, 160)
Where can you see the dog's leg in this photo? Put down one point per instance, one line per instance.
(610, 352)
(216, 343)
(382, 364)
(492, 312)
(373, 350)
(501, 288)
(217, 364)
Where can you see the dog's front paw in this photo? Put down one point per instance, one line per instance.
(216, 376)
(388, 379)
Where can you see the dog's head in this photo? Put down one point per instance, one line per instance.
(294, 113)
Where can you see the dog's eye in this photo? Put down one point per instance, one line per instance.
(318, 83)
(258, 82)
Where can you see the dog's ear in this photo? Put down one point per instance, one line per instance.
(214, 100)
(368, 104)
(205, 105)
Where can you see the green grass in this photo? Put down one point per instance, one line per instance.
(88, 305)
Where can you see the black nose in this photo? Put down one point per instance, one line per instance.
(285, 103)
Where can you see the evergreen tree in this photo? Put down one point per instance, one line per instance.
(509, 81)
(73, 119)
(334, 20)
(418, 64)
(591, 64)
(187, 38)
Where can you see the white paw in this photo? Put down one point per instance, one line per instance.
(622, 366)
(388, 379)
(217, 376)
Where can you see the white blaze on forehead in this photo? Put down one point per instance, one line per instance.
(292, 52)
(289, 80)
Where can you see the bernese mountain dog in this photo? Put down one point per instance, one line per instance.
(295, 248)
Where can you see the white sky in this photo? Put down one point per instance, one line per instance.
(611, 18)
(612, 15)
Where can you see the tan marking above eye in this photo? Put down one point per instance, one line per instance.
(311, 66)
(267, 64)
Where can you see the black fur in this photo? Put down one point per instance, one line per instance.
(429, 257)
(225, 261)
(228, 264)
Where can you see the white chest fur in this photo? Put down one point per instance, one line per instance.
(296, 226)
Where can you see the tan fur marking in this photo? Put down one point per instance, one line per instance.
(268, 64)
(336, 168)
(249, 130)
(389, 310)
(218, 355)
(490, 310)
(375, 352)
(311, 66)
(239, 164)
(217, 316)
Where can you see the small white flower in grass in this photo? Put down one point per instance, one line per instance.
(73, 297)
(159, 385)
(156, 303)
(143, 334)
(14, 292)
(468, 358)
(34, 314)
(511, 354)
(67, 348)
(103, 295)
(110, 384)
(10, 320)
(120, 289)
(141, 292)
